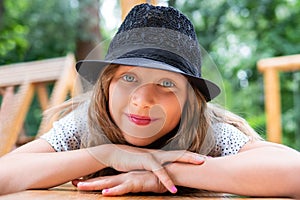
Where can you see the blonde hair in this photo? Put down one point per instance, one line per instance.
(193, 134)
(190, 134)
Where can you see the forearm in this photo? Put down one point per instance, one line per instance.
(20, 171)
(264, 172)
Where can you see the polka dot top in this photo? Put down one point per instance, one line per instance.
(67, 132)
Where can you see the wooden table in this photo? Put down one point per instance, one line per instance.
(67, 191)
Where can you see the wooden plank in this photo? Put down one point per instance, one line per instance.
(11, 125)
(42, 94)
(65, 83)
(5, 106)
(67, 192)
(64, 86)
(281, 63)
(272, 104)
(33, 76)
(5, 118)
(270, 67)
(36, 71)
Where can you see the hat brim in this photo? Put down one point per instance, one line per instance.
(91, 69)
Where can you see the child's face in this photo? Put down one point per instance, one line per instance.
(146, 103)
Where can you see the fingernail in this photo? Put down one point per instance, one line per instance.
(200, 158)
(174, 189)
(105, 190)
(81, 184)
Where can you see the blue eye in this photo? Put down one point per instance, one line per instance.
(167, 83)
(128, 78)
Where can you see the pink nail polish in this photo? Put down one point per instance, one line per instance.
(174, 189)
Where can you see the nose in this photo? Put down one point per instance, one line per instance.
(143, 96)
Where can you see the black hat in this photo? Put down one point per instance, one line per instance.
(154, 37)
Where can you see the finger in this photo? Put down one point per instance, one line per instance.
(157, 168)
(99, 184)
(179, 156)
(76, 181)
(165, 179)
(118, 190)
(190, 157)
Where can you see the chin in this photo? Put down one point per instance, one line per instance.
(139, 142)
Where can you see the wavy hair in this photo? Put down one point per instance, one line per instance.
(102, 129)
(194, 133)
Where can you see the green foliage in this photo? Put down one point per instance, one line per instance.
(34, 30)
(12, 36)
(37, 29)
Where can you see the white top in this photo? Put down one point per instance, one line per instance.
(66, 134)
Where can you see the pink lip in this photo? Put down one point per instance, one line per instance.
(140, 120)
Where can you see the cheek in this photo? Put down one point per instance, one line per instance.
(118, 99)
(174, 111)
(173, 107)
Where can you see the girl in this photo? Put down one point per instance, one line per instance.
(147, 125)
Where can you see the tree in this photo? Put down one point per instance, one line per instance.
(88, 35)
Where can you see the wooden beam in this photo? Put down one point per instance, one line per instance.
(36, 71)
(30, 77)
(281, 63)
(65, 84)
(12, 124)
(271, 67)
(273, 106)
(42, 94)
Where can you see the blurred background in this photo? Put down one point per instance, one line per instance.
(235, 33)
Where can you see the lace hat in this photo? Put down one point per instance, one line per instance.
(154, 37)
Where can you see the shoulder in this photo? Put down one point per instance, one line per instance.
(66, 133)
(229, 139)
(224, 128)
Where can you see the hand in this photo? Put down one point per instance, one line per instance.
(135, 181)
(126, 158)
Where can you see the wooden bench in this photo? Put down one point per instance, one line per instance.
(19, 82)
(270, 67)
